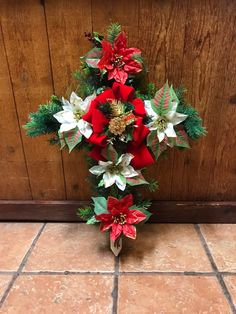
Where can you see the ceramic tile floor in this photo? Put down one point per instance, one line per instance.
(67, 268)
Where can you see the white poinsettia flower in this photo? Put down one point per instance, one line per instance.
(164, 124)
(71, 115)
(115, 173)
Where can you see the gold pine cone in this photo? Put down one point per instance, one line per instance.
(117, 126)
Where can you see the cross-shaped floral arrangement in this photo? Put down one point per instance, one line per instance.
(123, 123)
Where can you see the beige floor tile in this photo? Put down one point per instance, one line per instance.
(221, 239)
(164, 247)
(60, 294)
(230, 282)
(4, 281)
(15, 240)
(147, 294)
(77, 247)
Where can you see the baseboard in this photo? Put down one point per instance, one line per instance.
(163, 211)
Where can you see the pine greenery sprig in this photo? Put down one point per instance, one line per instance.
(113, 31)
(85, 213)
(42, 121)
(149, 92)
(193, 124)
(144, 204)
(153, 185)
(88, 80)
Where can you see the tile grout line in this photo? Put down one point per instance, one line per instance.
(218, 275)
(21, 266)
(227, 273)
(166, 273)
(115, 285)
(74, 272)
(65, 273)
(7, 272)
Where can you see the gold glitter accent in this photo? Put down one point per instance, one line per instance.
(117, 125)
(117, 108)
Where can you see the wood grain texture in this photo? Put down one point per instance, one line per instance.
(66, 23)
(223, 168)
(204, 71)
(25, 39)
(183, 42)
(192, 43)
(154, 24)
(12, 160)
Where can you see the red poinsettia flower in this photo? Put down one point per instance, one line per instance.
(118, 60)
(120, 218)
(99, 122)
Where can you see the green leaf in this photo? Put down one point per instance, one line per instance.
(101, 183)
(110, 153)
(162, 102)
(99, 90)
(153, 143)
(97, 37)
(62, 140)
(123, 179)
(136, 180)
(181, 140)
(100, 205)
(93, 56)
(72, 138)
(173, 95)
(156, 147)
(128, 137)
(92, 221)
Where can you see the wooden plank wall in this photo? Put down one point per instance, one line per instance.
(192, 43)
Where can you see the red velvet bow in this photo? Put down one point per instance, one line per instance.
(99, 121)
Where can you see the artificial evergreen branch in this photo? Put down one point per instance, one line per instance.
(148, 93)
(42, 122)
(145, 204)
(88, 81)
(193, 124)
(113, 30)
(85, 213)
(153, 185)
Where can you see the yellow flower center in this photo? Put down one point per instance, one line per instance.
(114, 169)
(118, 61)
(161, 124)
(121, 219)
(78, 114)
